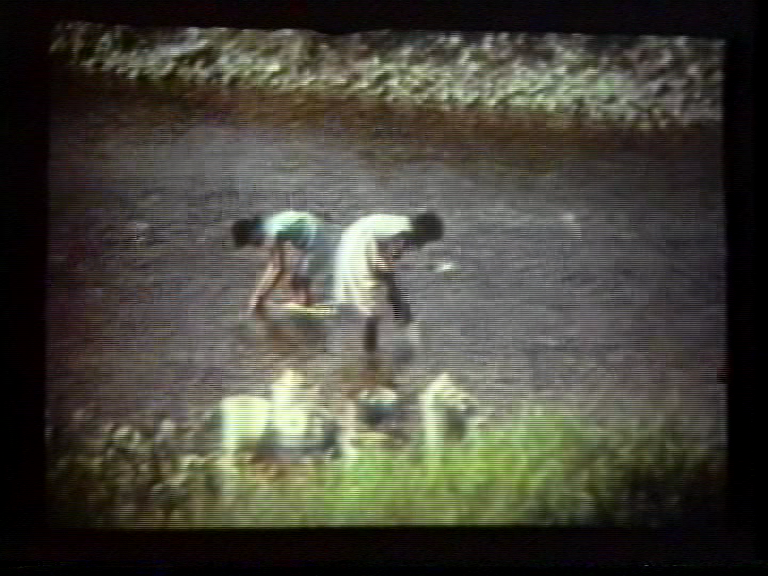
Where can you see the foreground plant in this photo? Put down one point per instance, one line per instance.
(545, 468)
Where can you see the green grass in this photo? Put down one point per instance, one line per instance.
(543, 468)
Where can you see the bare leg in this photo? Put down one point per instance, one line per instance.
(370, 334)
(301, 293)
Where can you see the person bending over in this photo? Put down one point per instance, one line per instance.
(302, 230)
(365, 266)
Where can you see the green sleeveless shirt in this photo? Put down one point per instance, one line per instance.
(298, 228)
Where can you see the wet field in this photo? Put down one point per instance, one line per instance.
(589, 275)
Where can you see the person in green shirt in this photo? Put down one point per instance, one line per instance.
(306, 233)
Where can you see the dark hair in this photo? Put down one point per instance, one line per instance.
(247, 231)
(427, 227)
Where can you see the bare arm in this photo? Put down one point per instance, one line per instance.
(396, 297)
(270, 278)
(389, 253)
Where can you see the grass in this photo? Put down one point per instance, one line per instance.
(543, 469)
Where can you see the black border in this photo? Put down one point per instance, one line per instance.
(27, 543)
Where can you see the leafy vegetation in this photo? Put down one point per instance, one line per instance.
(642, 82)
(541, 468)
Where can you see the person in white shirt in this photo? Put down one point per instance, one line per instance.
(364, 268)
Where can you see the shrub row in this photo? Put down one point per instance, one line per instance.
(641, 82)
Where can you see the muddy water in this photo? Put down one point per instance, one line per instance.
(591, 277)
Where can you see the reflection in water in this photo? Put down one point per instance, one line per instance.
(403, 355)
(284, 337)
(357, 373)
(305, 344)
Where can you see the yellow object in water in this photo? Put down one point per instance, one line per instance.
(316, 310)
